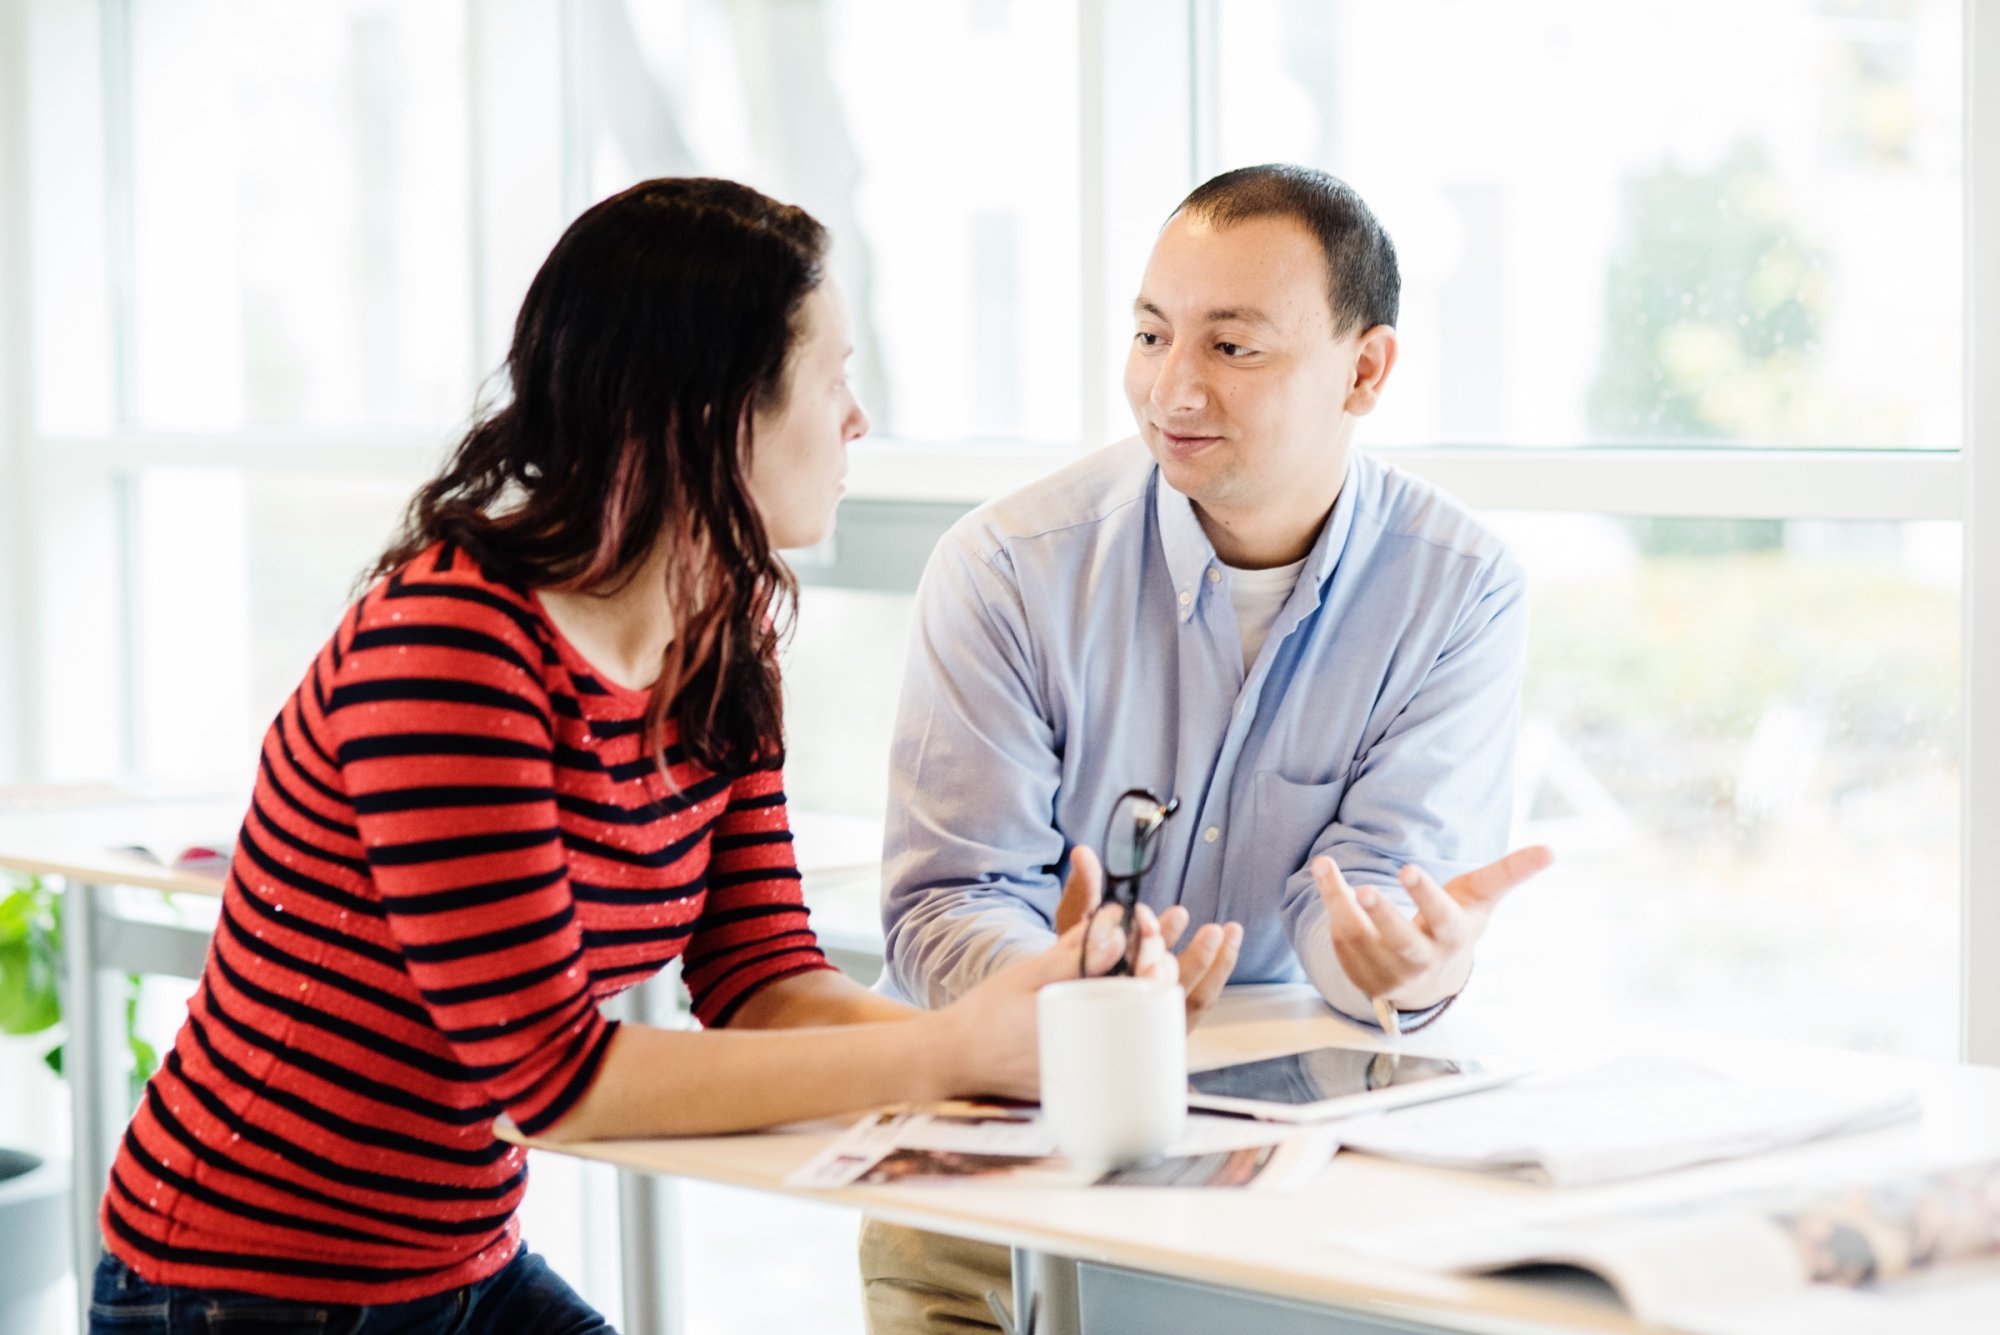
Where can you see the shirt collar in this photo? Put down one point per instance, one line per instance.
(1190, 554)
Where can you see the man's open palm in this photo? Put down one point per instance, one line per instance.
(1418, 961)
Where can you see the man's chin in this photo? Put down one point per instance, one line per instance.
(1191, 477)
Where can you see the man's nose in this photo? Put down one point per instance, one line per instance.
(1179, 386)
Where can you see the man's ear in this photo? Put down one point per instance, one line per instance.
(1374, 358)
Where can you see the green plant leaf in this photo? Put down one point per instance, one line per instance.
(30, 996)
(144, 1060)
(15, 911)
(30, 959)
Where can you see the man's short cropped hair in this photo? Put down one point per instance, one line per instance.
(1363, 287)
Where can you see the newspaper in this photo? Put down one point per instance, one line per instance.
(1916, 1252)
(1623, 1119)
(978, 1144)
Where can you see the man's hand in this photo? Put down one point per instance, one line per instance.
(1205, 963)
(1417, 962)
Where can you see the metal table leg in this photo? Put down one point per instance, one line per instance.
(99, 949)
(96, 1106)
(652, 1298)
(1045, 1294)
(649, 1234)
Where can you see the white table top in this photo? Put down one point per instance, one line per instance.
(1277, 1244)
(76, 832)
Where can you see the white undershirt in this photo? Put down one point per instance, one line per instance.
(1257, 595)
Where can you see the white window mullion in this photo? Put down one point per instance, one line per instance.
(518, 118)
(1135, 169)
(362, 454)
(16, 382)
(1695, 483)
(1093, 49)
(67, 259)
(1979, 982)
(121, 265)
(1204, 92)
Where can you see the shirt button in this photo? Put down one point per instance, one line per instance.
(1214, 575)
(1210, 835)
(1186, 598)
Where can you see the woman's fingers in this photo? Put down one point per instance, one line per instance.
(1106, 943)
(1149, 956)
(1083, 889)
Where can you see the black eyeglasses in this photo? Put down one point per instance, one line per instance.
(1129, 847)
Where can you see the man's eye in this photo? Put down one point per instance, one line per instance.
(1147, 340)
(1231, 349)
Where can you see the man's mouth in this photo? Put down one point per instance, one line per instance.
(1186, 443)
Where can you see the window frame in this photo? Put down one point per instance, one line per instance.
(62, 490)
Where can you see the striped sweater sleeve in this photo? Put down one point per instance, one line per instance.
(753, 929)
(446, 748)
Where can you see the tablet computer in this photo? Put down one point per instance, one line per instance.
(1340, 1082)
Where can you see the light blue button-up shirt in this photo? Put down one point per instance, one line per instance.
(1076, 639)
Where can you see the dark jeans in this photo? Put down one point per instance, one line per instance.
(525, 1296)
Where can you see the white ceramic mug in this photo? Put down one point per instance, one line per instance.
(1114, 1068)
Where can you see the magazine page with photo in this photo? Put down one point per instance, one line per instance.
(1918, 1251)
(976, 1145)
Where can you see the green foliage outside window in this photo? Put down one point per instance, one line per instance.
(1713, 307)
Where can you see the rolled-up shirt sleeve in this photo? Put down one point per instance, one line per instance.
(1436, 789)
(971, 846)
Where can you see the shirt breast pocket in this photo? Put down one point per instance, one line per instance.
(1288, 818)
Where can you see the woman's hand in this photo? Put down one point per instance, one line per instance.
(1206, 959)
(987, 1037)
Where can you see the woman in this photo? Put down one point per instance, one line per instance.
(539, 759)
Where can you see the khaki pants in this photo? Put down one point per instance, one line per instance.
(916, 1283)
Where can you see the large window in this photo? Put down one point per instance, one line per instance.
(955, 226)
(1616, 228)
(1684, 319)
(1744, 739)
(1724, 271)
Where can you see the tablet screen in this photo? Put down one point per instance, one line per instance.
(1324, 1073)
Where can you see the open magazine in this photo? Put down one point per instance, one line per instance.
(1919, 1252)
(210, 859)
(1625, 1118)
(978, 1144)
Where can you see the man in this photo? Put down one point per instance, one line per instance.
(1319, 657)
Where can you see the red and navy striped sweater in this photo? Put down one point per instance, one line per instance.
(456, 848)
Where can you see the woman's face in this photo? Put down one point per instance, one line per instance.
(798, 453)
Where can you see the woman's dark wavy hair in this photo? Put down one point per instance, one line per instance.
(661, 319)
